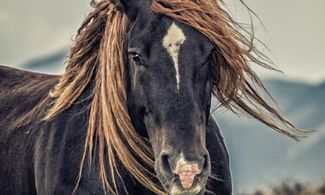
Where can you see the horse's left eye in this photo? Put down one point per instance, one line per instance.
(135, 58)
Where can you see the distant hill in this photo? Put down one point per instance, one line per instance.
(259, 155)
(53, 63)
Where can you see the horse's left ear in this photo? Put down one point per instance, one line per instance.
(132, 7)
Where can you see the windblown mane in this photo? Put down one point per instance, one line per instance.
(235, 83)
(98, 56)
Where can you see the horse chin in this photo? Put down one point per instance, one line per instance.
(177, 190)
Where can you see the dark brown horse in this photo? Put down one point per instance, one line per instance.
(131, 113)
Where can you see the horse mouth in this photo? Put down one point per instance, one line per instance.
(177, 187)
(178, 190)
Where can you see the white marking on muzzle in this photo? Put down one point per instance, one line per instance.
(186, 172)
(176, 191)
(172, 41)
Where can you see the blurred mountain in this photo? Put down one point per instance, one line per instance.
(52, 64)
(259, 155)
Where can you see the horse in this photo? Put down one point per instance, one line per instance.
(131, 114)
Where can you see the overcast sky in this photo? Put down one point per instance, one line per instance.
(295, 31)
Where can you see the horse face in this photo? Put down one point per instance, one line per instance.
(169, 96)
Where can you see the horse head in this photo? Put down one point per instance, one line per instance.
(169, 95)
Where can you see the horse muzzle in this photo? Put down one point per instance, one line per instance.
(183, 176)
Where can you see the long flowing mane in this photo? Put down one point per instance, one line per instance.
(98, 55)
(235, 83)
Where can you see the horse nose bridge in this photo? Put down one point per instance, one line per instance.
(183, 106)
(188, 140)
(182, 112)
(184, 98)
(182, 130)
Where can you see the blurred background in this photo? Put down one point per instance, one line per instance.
(37, 34)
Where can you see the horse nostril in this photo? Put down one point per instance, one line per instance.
(165, 165)
(205, 162)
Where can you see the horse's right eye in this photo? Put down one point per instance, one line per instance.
(135, 57)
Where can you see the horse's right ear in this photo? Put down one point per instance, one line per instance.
(119, 5)
(132, 7)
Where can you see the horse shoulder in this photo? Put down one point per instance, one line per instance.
(20, 92)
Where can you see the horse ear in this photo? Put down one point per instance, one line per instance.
(132, 7)
(120, 4)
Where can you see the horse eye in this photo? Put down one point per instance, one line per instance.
(135, 57)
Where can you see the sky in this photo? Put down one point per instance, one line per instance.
(294, 32)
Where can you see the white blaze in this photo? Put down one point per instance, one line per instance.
(172, 41)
